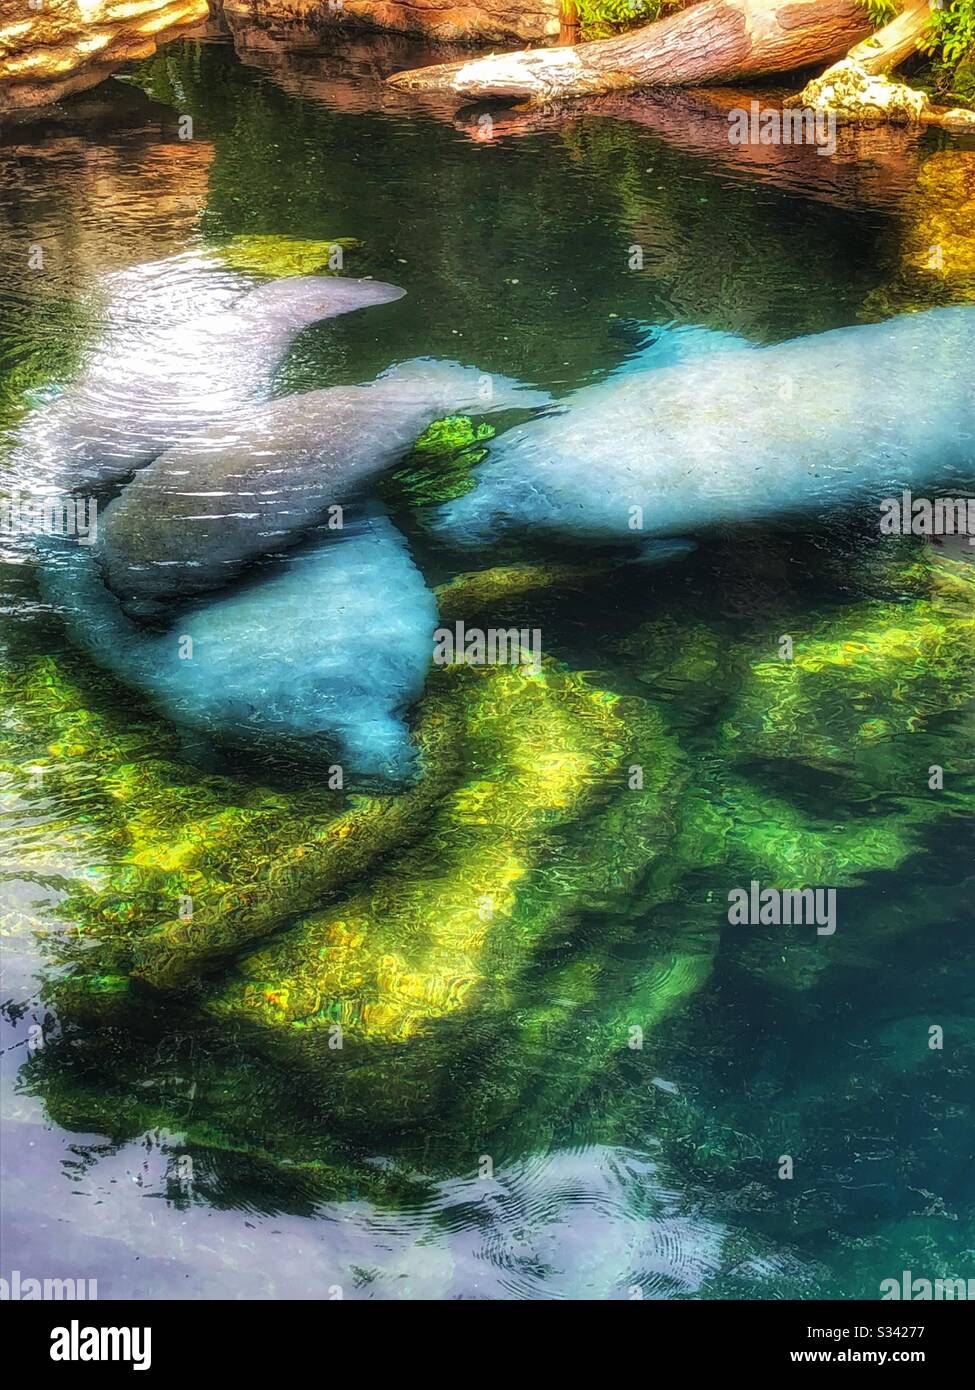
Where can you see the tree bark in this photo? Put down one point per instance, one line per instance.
(714, 41)
(889, 46)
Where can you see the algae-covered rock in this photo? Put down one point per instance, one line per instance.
(936, 258)
(465, 953)
(447, 930)
(486, 590)
(552, 889)
(192, 865)
(440, 463)
(429, 963)
(856, 680)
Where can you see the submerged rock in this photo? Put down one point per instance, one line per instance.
(936, 253)
(185, 866)
(552, 882)
(281, 255)
(857, 680)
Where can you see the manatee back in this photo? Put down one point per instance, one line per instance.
(329, 654)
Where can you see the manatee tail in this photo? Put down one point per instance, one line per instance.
(455, 387)
(308, 298)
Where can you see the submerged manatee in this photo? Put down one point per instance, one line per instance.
(197, 514)
(324, 657)
(144, 390)
(827, 420)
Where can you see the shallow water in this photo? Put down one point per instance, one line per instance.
(564, 1072)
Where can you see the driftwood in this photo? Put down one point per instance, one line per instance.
(714, 41)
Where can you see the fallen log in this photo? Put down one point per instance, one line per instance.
(888, 47)
(714, 41)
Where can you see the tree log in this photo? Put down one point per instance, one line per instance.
(714, 41)
(889, 46)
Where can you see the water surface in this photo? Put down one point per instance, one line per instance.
(495, 1128)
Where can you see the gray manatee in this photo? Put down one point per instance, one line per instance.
(322, 659)
(147, 387)
(200, 511)
(831, 419)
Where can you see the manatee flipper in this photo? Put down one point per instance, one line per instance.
(150, 384)
(672, 344)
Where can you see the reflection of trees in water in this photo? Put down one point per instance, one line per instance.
(102, 185)
(520, 245)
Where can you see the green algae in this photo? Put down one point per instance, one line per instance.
(47, 355)
(432, 963)
(936, 251)
(490, 590)
(439, 466)
(462, 945)
(245, 858)
(431, 953)
(858, 680)
(282, 256)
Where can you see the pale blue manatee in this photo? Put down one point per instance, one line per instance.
(149, 385)
(196, 515)
(322, 659)
(734, 436)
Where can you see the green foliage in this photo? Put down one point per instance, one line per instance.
(950, 42)
(952, 33)
(881, 12)
(606, 15)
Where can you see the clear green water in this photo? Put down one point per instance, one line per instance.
(490, 946)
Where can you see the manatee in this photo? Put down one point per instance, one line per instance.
(147, 388)
(321, 659)
(823, 421)
(200, 511)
